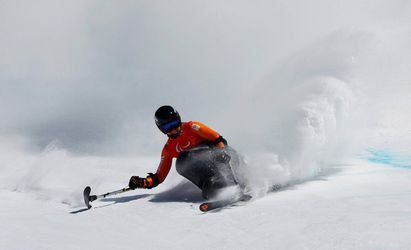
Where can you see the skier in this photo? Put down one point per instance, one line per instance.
(203, 156)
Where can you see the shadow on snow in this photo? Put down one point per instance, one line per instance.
(187, 192)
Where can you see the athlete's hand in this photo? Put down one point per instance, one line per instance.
(137, 182)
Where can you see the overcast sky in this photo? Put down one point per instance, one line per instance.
(90, 74)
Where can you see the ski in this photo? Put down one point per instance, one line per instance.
(219, 204)
(212, 205)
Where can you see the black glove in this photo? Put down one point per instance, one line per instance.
(149, 182)
(137, 182)
(222, 156)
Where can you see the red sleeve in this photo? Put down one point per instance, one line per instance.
(165, 164)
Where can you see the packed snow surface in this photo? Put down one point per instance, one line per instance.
(355, 205)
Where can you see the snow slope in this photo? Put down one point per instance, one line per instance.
(353, 206)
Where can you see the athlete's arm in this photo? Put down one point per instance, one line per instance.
(207, 133)
(152, 180)
(165, 165)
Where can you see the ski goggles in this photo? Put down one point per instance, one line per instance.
(165, 128)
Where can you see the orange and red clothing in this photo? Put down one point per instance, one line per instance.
(193, 134)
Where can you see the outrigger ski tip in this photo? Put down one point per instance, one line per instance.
(87, 197)
(86, 194)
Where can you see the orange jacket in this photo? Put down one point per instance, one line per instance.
(193, 134)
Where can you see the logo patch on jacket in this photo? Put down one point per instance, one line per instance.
(181, 149)
(195, 127)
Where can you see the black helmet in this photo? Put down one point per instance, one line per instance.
(167, 119)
